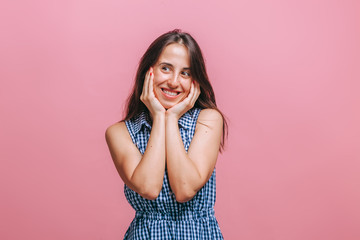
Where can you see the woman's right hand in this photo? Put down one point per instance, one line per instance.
(148, 96)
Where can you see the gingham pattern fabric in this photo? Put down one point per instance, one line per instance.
(164, 217)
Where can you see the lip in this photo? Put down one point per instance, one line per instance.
(170, 96)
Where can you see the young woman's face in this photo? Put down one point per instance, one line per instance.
(172, 77)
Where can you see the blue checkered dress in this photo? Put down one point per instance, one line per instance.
(164, 217)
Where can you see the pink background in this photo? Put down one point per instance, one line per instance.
(286, 74)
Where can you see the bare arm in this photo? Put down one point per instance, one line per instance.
(142, 173)
(188, 172)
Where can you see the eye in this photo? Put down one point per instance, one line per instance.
(186, 74)
(165, 68)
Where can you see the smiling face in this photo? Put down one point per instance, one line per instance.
(172, 77)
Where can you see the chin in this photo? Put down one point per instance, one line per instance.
(167, 106)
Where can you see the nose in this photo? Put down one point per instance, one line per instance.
(173, 81)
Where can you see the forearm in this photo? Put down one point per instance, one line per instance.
(183, 174)
(149, 173)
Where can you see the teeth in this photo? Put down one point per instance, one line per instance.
(170, 93)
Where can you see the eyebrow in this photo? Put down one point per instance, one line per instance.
(169, 64)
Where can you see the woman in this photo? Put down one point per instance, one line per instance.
(166, 148)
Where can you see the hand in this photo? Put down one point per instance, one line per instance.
(148, 96)
(185, 105)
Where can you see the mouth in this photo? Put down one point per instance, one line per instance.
(170, 93)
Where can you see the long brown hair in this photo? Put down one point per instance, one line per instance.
(206, 99)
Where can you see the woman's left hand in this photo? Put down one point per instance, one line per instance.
(185, 105)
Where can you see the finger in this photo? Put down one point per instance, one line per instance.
(151, 84)
(192, 91)
(187, 102)
(196, 93)
(198, 90)
(146, 84)
(150, 81)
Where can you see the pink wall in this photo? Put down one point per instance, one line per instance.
(286, 74)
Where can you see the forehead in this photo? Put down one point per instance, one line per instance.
(175, 53)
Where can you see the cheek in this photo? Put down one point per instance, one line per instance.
(158, 78)
(187, 85)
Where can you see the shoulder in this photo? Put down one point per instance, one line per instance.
(115, 131)
(115, 127)
(209, 119)
(210, 115)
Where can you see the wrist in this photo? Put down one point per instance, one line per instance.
(158, 116)
(171, 117)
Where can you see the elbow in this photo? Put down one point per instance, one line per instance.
(184, 196)
(151, 193)
(146, 188)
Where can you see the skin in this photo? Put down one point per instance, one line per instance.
(172, 74)
(187, 171)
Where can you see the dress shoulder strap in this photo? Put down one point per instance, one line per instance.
(195, 116)
(129, 126)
